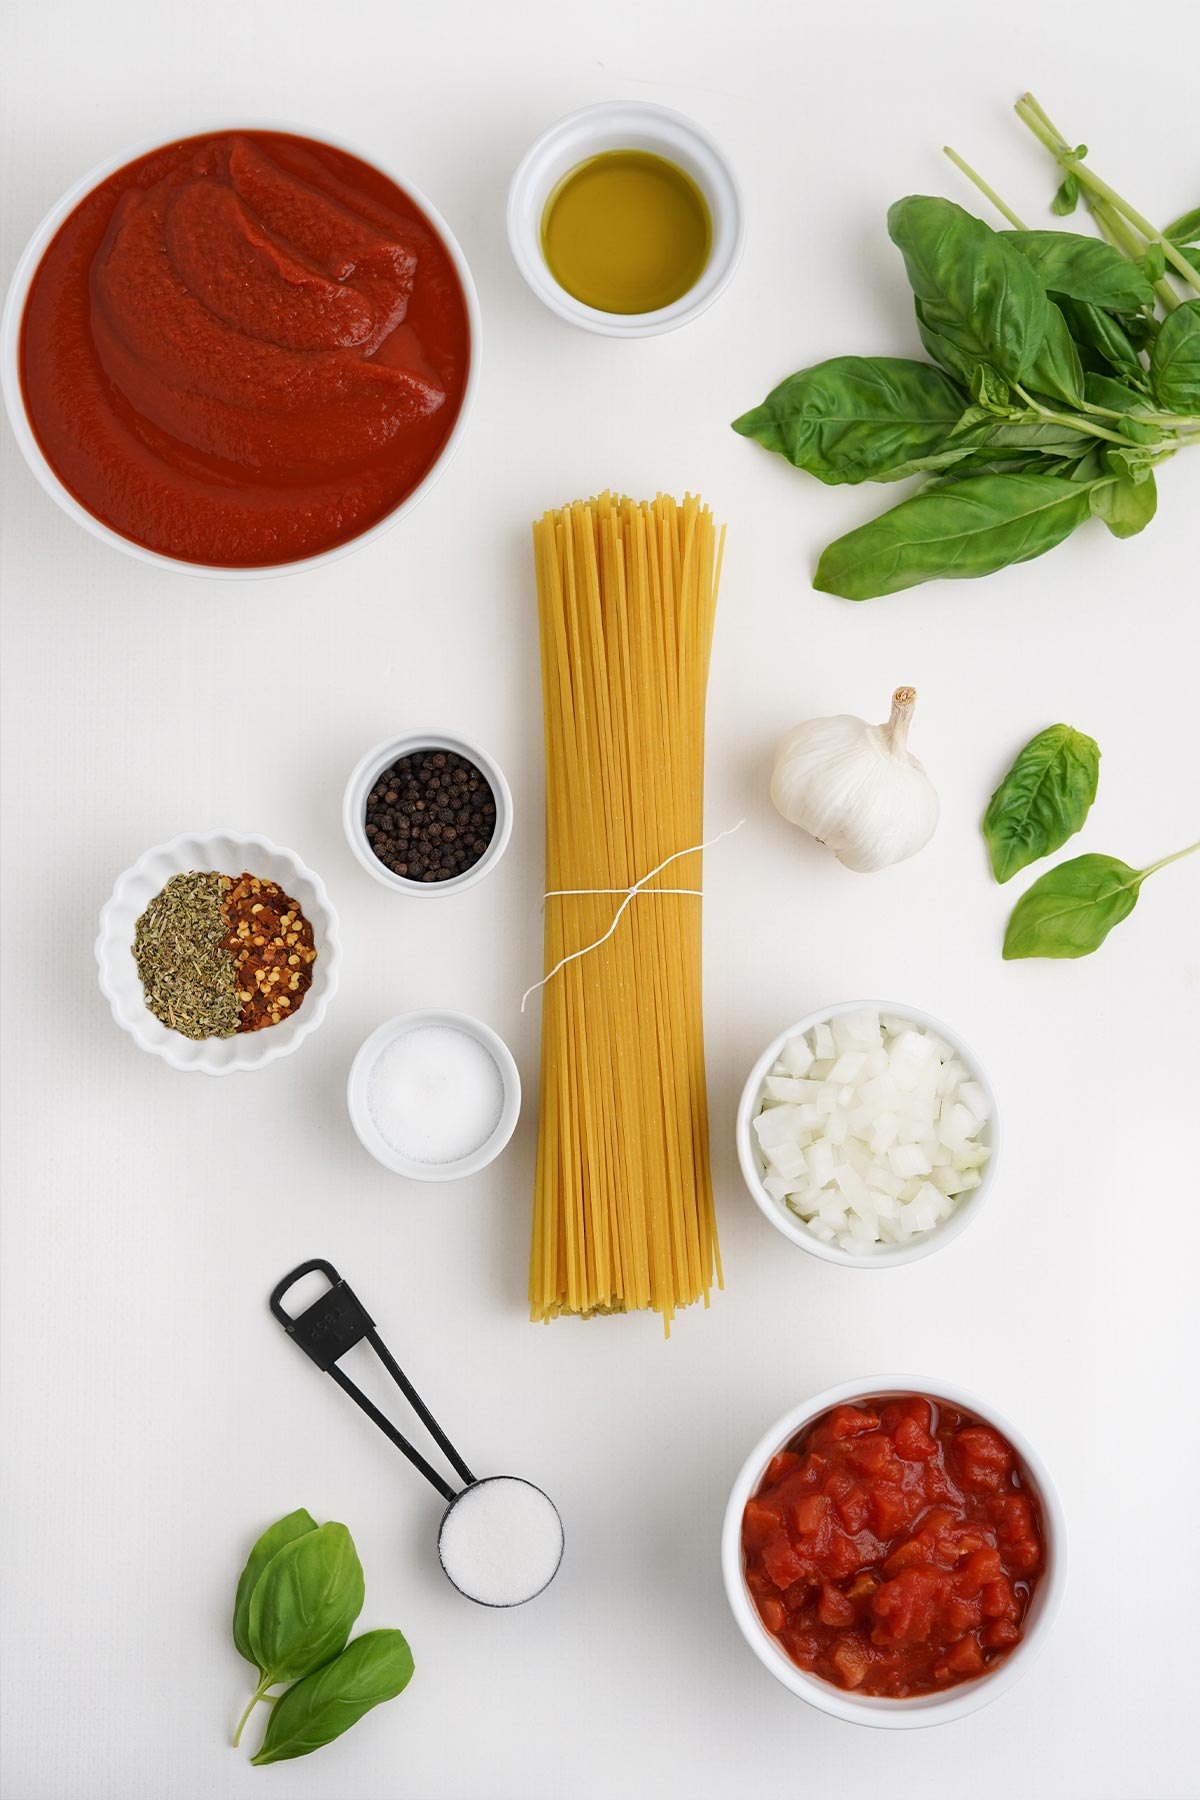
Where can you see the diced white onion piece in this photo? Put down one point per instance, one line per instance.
(848, 1066)
(822, 1043)
(787, 1159)
(974, 1098)
(796, 1055)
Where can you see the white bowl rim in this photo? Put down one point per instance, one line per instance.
(14, 311)
(388, 751)
(368, 1054)
(699, 297)
(269, 1045)
(878, 1710)
(794, 1229)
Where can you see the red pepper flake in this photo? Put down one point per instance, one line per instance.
(272, 946)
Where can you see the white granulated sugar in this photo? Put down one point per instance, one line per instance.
(501, 1541)
(435, 1094)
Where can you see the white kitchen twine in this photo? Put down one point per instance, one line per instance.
(630, 893)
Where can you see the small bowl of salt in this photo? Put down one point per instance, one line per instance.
(434, 1095)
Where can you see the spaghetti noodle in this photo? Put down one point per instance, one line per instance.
(623, 1209)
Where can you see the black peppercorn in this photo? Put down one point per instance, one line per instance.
(431, 816)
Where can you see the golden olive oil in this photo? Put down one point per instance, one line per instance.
(626, 232)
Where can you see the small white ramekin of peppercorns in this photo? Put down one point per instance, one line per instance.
(427, 812)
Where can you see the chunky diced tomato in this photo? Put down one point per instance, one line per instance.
(773, 1614)
(851, 1659)
(999, 1601)
(965, 1657)
(912, 1443)
(960, 1615)
(781, 1465)
(850, 1421)
(834, 1607)
(854, 1509)
(759, 1520)
(906, 1607)
(781, 1559)
(808, 1513)
(1001, 1634)
(893, 1508)
(976, 1571)
(909, 1554)
(984, 1459)
(874, 1455)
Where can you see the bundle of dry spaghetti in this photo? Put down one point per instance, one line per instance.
(623, 1211)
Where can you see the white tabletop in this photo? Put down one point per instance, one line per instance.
(154, 1417)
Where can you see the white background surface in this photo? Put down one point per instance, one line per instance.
(154, 1417)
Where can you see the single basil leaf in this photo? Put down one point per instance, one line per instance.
(1043, 800)
(991, 392)
(1083, 268)
(283, 1531)
(1175, 361)
(1070, 910)
(1186, 229)
(1093, 328)
(855, 417)
(305, 1602)
(1133, 462)
(1057, 370)
(970, 528)
(1067, 198)
(976, 293)
(1155, 262)
(1117, 396)
(1126, 505)
(1088, 467)
(375, 1667)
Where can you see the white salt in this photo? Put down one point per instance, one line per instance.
(501, 1541)
(435, 1094)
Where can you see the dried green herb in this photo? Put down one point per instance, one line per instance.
(189, 978)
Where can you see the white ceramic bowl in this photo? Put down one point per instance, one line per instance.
(367, 772)
(869, 1709)
(14, 309)
(885, 1256)
(230, 852)
(625, 125)
(372, 1139)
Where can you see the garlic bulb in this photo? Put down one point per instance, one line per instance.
(855, 787)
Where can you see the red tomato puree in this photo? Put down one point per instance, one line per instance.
(893, 1547)
(244, 349)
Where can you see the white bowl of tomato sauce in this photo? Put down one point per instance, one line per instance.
(243, 352)
(894, 1552)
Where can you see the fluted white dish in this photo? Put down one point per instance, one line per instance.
(231, 853)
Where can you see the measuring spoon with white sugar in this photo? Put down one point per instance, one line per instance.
(501, 1538)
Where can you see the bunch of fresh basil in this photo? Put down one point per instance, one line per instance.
(1042, 801)
(1054, 392)
(297, 1599)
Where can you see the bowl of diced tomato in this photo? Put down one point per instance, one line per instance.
(894, 1552)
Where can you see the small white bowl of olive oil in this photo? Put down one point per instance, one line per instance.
(626, 219)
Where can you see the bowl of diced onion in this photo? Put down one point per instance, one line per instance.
(868, 1134)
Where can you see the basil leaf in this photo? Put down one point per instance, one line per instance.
(1175, 360)
(1057, 370)
(1154, 263)
(971, 528)
(284, 1531)
(977, 294)
(1043, 800)
(305, 1602)
(1117, 396)
(1127, 504)
(375, 1667)
(1091, 326)
(1067, 198)
(1070, 910)
(1083, 268)
(854, 418)
(1185, 230)
(964, 365)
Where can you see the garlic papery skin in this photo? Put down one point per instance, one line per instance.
(856, 788)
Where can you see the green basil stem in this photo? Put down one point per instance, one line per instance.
(989, 193)
(1073, 421)
(1113, 228)
(1191, 848)
(260, 1693)
(1031, 114)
